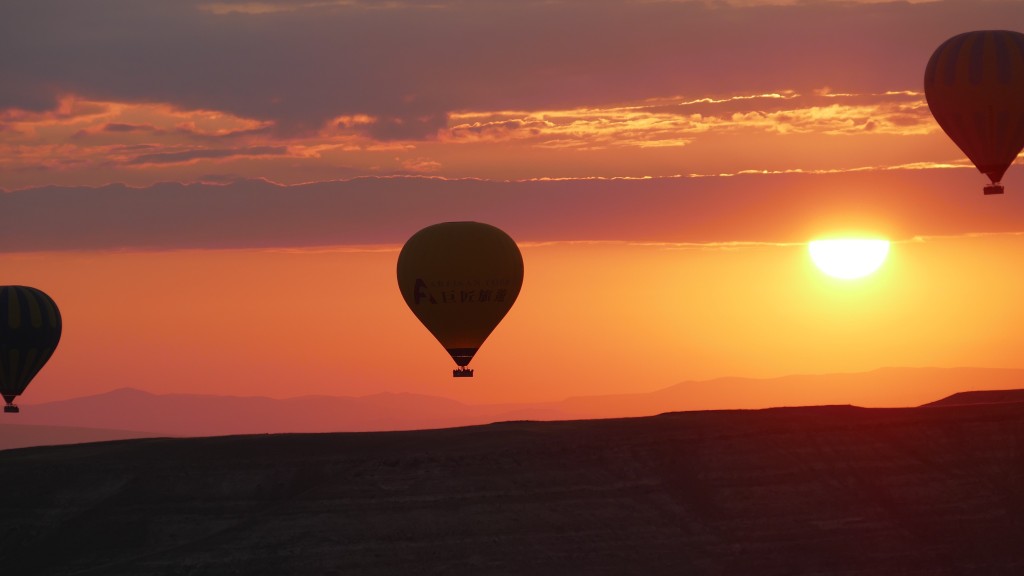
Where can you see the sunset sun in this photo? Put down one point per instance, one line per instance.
(848, 258)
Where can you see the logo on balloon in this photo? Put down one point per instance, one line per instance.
(445, 295)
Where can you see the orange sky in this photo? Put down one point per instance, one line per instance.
(179, 178)
(593, 318)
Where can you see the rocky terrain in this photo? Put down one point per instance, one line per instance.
(834, 490)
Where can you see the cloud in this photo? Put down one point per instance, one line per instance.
(495, 89)
(296, 65)
(421, 165)
(820, 130)
(114, 128)
(676, 122)
(497, 130)
(783, 207)
(205, 153)
(121, 127)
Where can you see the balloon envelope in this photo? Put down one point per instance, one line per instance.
(30, 328)
(460, 279)
(974, 84)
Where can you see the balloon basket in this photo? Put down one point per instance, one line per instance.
(11, 409)
(993, 189)
(462, 373)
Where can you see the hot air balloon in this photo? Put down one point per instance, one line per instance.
(974, 84)
(29, 331)
(460, 279)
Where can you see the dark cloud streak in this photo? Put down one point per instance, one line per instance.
(205, 153)
(120, 127)
(259, 214)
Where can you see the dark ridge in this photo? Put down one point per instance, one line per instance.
(26, 435)
(979, 397)
(819, 490)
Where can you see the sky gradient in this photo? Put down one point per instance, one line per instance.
(215, 193)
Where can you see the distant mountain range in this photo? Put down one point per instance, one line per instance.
(128, 413)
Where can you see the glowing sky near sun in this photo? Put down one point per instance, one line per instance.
(240, 176)
(593, 318)
(848, 258)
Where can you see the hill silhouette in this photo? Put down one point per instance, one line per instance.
(979, 397)
(25, 435)
(815, 490)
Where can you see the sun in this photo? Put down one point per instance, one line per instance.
(848, 258)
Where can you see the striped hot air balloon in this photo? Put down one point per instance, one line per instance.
(974, 84)
(30, 328)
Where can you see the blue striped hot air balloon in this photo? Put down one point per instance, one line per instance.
(974, 84)
(30, 328)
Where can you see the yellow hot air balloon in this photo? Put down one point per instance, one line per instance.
(974, 84)
(460, 279)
